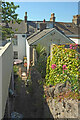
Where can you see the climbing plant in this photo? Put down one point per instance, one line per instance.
(64, 66)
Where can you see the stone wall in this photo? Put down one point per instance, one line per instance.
(61, 108)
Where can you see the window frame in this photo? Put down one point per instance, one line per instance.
(15, 55)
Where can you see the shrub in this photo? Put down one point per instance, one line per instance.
(41, 59)
(47, 70)
(40, 50)
(63, 67)
(41, 65)
(15, 69)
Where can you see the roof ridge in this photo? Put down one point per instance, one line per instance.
(37, 33)
(33, 35)
(42, 35)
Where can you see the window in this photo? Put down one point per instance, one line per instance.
(23, 35)
(15, 54)
(14, 39)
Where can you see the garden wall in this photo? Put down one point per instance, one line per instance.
(62, 82)
(67, 108)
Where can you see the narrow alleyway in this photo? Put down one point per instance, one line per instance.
(29, 101)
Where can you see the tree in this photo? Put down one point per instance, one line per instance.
(8, 14)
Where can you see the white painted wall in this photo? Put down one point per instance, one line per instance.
(28, 54)
(6, 63)
(0, 88)
(76, 40)
(21, 47)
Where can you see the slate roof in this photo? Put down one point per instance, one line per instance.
(18, 28)
(67, 28)
(38, 35)
(63, 27)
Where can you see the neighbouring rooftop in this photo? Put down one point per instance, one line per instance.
(3, 48)
(38, 35)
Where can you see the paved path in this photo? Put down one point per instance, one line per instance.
(30, 101)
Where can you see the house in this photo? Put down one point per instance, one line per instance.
(51, 32)
(6, 71)
(29, 33)
(46, 38)
(21, 32)
(19, 39)
(71, 30)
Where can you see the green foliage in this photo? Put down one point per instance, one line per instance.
(47, 70)
(6, 32)
(40, 50)
(29, 76)
(63, 56)
(15, 69)
(41, 60)
(8, 14)
(41, 65)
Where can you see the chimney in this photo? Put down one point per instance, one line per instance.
(42, 26)
(44, 21)
(52, 17)
(25, 17)
(76, 19)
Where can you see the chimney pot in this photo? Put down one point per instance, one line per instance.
(44, 21)
(25, 13)
(76, 19)
(25, 17)
(52, 17)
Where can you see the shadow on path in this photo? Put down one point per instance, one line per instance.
(29, 101)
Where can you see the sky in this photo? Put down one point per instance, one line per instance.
(64, 11)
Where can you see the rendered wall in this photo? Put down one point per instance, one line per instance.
(21, 47)
(0, 87)
(28, 54)
(6, 63)
(54, 37)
